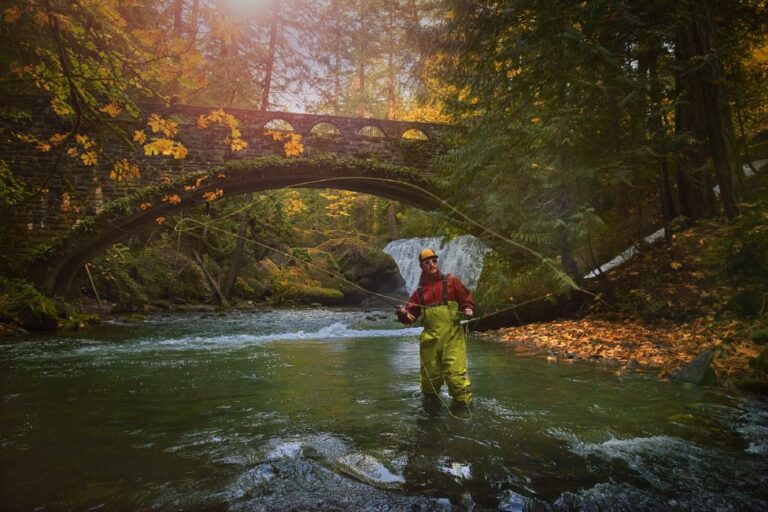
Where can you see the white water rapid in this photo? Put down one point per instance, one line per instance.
(463, 257)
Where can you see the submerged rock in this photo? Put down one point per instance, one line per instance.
(369, 470)
(699, 371)
(21, 304)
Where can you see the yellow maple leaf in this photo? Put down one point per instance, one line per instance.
(239, 145)
(166, 126)
(139, 136)
(294, 147)
(72, 152)
(65, 203)
(25, 138)
(160, 220)
(212, 196)
(172, 199)
(676, 265)
(89, 158)
(216, 115)
(178, 151)
(44, 147)
(82, 140)
(111, 109)
(57, 138)
(145, 206)
(203, 122)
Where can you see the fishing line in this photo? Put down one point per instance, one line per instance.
(447, 205)
(386, 298)
(391, 301)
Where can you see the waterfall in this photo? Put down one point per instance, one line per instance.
(463, 257)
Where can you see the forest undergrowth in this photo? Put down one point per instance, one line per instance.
(707, 289)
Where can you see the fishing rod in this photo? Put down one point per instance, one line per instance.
(546, 261)
(462, 324)
(392, 301)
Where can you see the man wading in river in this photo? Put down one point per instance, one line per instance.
(443, 347)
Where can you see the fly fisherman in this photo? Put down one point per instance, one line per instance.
(443, 348)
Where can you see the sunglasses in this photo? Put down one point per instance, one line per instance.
(429, 262)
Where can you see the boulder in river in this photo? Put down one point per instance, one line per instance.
(699, 371)
(22, 304)
(369, 470)
(366, 265)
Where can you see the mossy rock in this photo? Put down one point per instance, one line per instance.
(320, 295)
(22, 304)
(250, 288)
(78, 321)
(364, 264)
(293, 286)
(309, 237)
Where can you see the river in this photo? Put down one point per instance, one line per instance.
(320, 410)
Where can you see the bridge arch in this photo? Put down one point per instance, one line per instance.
(325, 129)
(371, 131)
(122, 218)
(414, 134)
(279, 124)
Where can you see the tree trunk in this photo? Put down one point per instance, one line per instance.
(237, 255)
(270, 58)
(391, 221)
(656, 130)
(693, 182)
(390, 64)
(177, 19)
(219, 297)
(193, 18)
(709, 79)
(362, 54)
(622, 192)
(704, 118)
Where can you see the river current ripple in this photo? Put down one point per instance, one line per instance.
(320, 409)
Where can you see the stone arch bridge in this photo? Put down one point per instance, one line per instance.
(79, 211)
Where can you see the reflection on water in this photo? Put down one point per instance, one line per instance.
(320, 409)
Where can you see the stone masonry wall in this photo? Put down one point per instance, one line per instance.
(48, 216)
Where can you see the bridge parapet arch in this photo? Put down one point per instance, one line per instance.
(76, 191)
(130, 215)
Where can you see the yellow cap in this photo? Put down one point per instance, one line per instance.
(427, 253)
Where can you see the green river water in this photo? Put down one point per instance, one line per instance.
(320, 410)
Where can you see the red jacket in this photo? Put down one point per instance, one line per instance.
(432, 289)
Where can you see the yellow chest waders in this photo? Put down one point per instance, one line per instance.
(443, 349)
